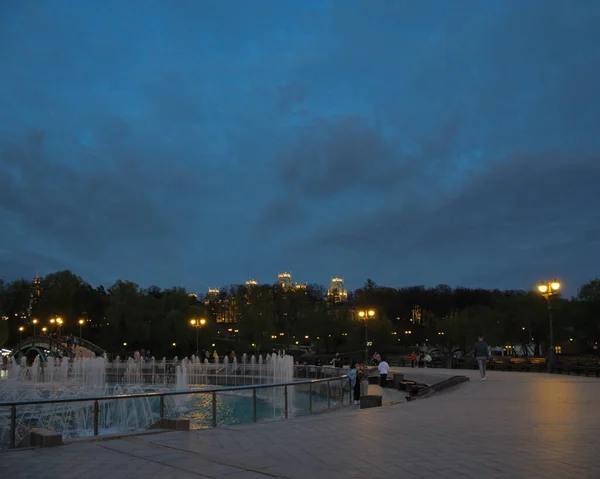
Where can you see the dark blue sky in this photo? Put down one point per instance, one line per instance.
(201, 143)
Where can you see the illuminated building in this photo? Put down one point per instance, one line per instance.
(251, 282)
(36, 294)
(300, 286)
(337, 292)
(285, 281)
(222, 308)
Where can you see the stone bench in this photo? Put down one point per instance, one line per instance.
(44, 438)
(370, 400)
(175, 424)
(405, 385)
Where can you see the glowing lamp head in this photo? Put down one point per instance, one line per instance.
(35, 321)
(543, 288)
(81, 321)
(193, 322)
(555, 285)
(361, 314)
(21, 328)
(203, 322)
(371, 313)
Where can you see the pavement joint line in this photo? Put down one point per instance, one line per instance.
(155, 462)
(209, 458)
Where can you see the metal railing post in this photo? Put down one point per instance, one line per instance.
(342, 392)
(162, 406)
(214, 409)
(285, 401)
(310, 397)
(253, 404)
(96, 411)
(13, 427)
(328, 395)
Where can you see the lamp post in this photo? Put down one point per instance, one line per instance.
(21, 328)
(549, 291)
(35, 321)
(197, 323)
(59, 321)
(81, 321)
(366, 314)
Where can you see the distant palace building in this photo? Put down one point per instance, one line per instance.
(337, 292)
(251, 282)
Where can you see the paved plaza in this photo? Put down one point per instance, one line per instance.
(514, 425)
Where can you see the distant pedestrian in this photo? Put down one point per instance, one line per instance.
(354, 383)
(426, 360)
(413, 359)
(336, 362)
(481, 352)
(383, 368)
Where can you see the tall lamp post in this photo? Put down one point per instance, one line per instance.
(59, 321)
(81, 321)
(197, 323)
(34, 323)
(21, 328)
(549, 291)
(366, 314)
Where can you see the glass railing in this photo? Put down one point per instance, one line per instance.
(77, 417)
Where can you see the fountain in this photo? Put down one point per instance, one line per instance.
(81, 377)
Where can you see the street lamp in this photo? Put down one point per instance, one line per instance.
(549, 291)
(21, 328)
(366, 314)
(197, 323)
(81, 321)
(44, 329)
(59, 321)
(35, 321)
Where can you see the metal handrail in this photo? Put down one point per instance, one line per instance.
(161, 394)
(164, 393)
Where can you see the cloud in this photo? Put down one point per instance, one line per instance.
(197, 144)
(523, 213)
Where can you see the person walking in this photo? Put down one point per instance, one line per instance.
(481, 352)
(383, 368)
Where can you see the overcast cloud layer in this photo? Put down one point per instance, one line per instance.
(204, 142)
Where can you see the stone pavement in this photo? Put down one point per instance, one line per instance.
(514, 425)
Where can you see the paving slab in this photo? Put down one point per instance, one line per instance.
(514, 425)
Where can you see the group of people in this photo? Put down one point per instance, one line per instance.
(358, 375)
(423, 360)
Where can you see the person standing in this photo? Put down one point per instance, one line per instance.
(336, 362)
(413, 359)
(354, 383)
(481, 352)
(383, 368)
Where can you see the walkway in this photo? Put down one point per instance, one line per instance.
(515, 425)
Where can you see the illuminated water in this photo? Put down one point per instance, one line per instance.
(87, 377)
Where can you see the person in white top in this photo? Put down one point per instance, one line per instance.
(383, 367)
(427, 360)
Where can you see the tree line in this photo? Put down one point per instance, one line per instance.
(253, 318)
